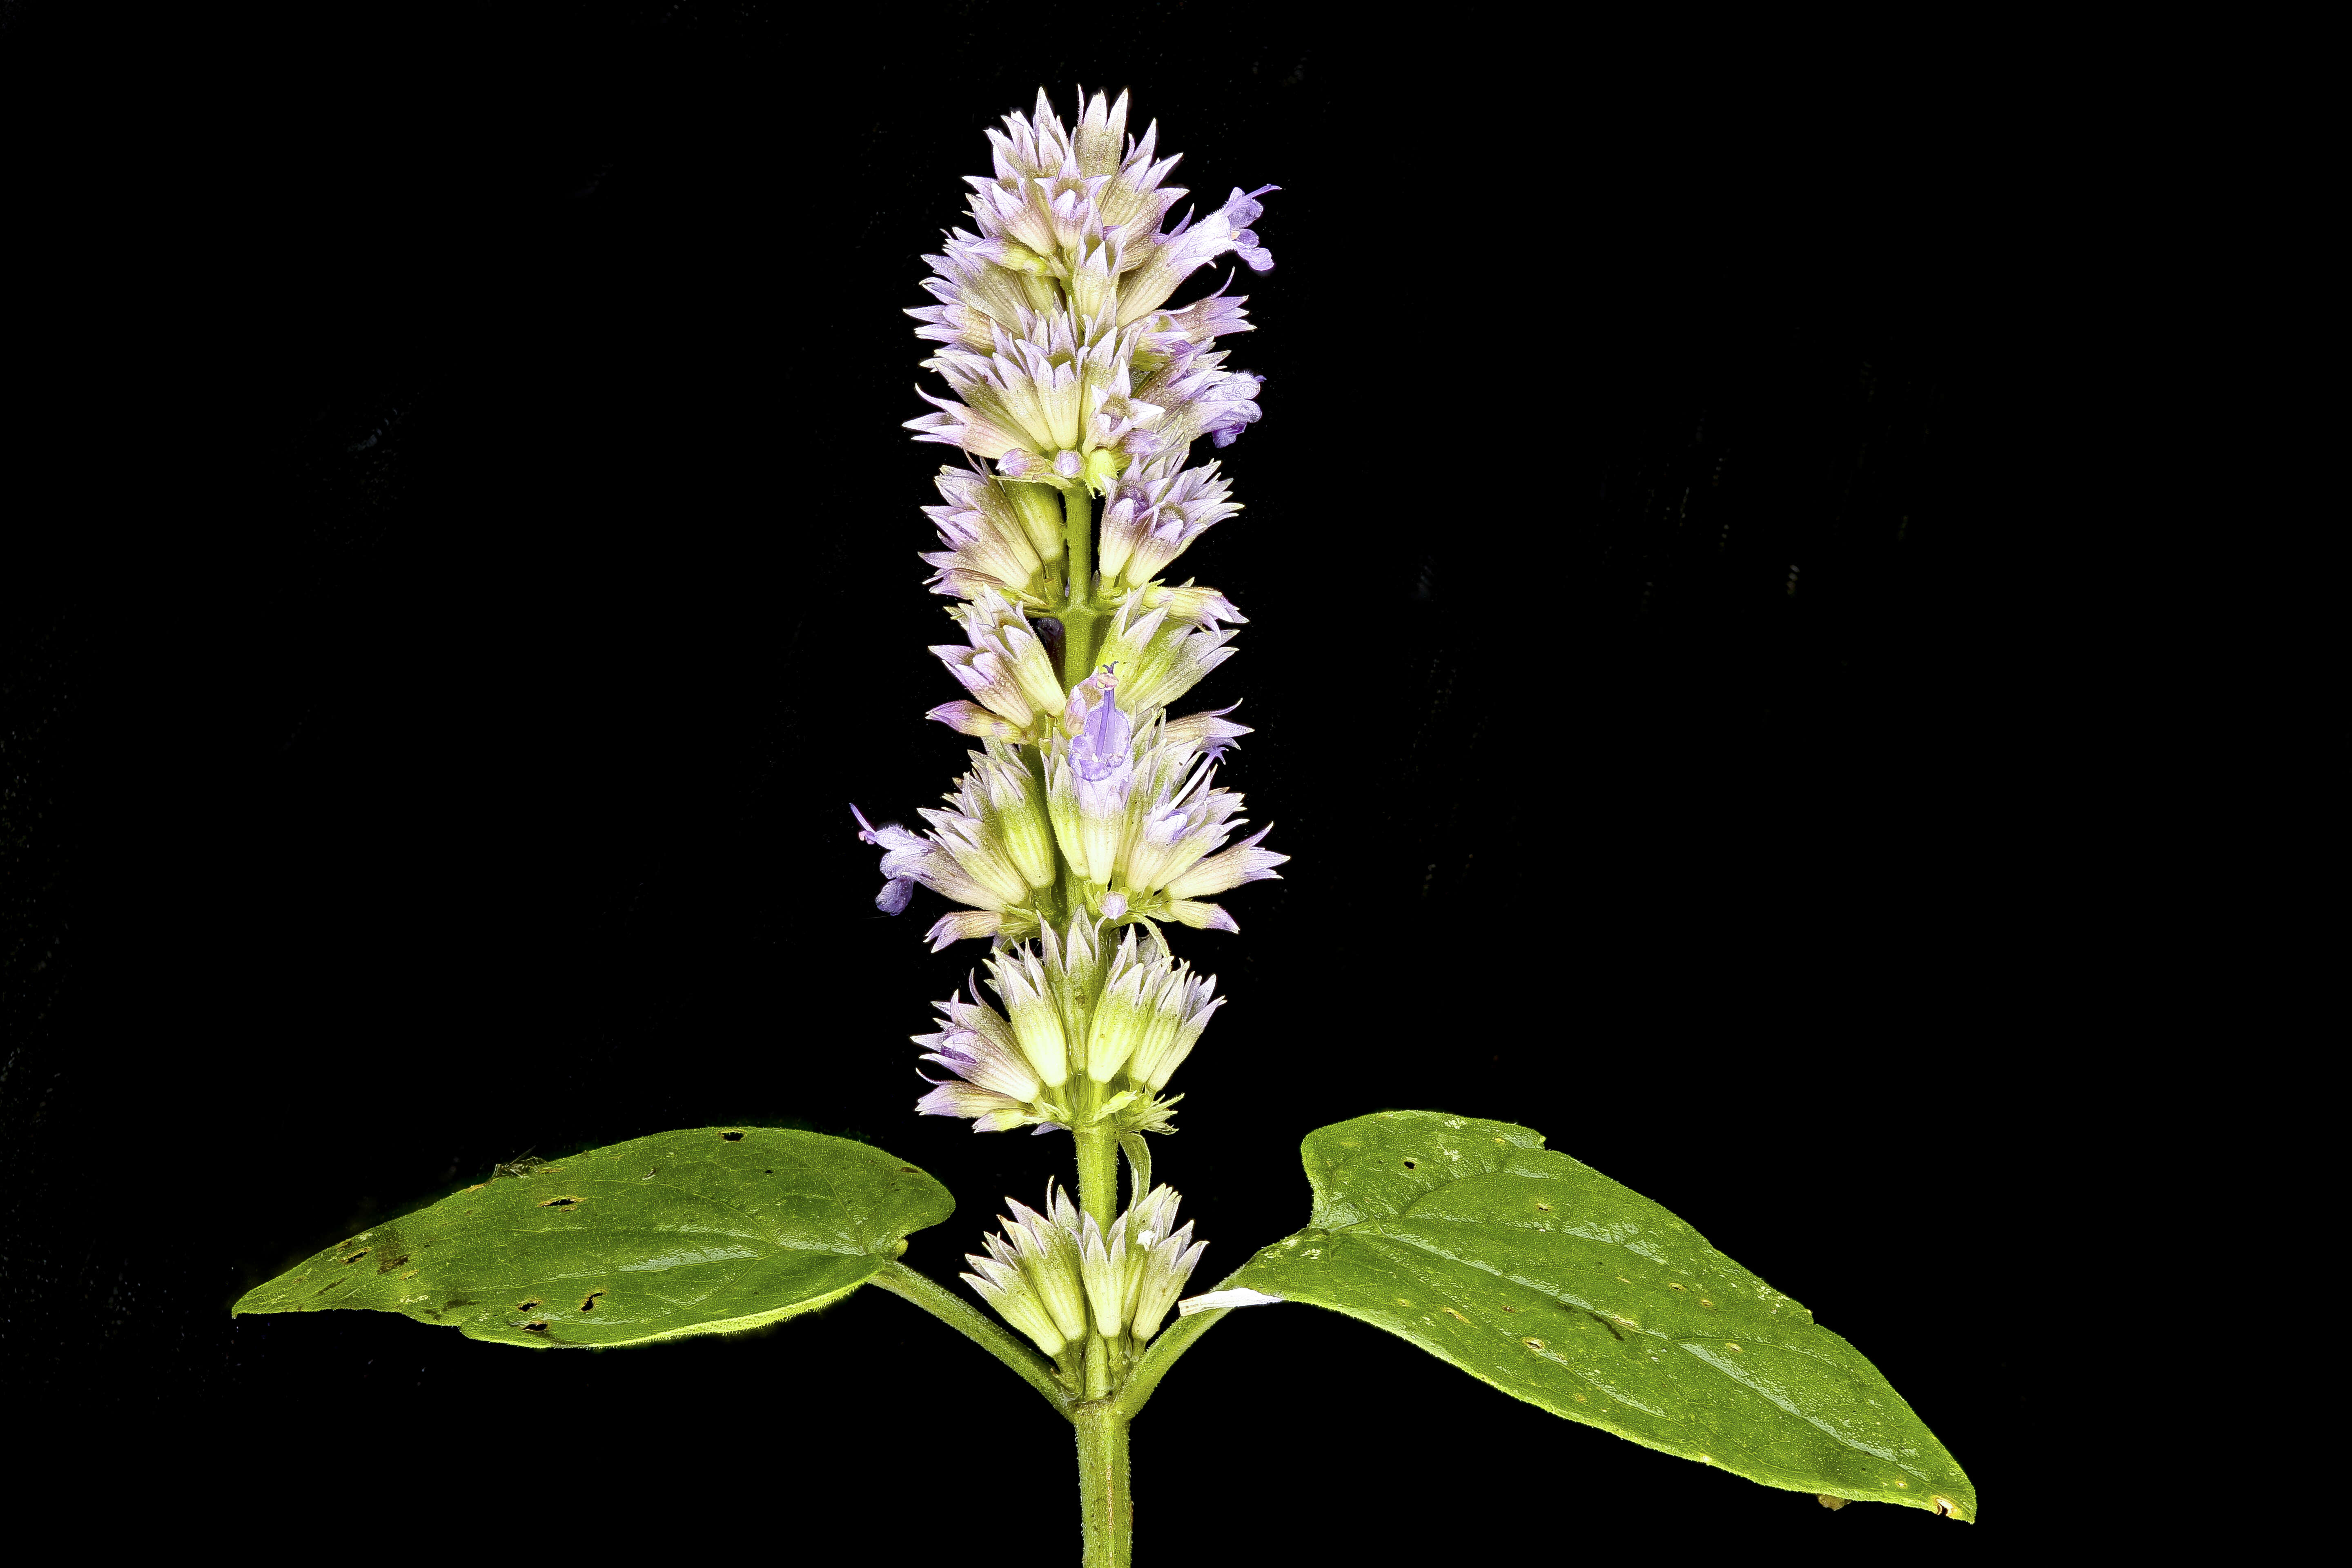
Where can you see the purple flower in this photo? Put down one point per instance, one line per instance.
(1050, 314)
(1159, 508)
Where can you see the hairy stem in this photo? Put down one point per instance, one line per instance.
(959, 1315)
(1099, 1171)
(1104, 1504)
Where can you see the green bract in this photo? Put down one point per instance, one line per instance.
(1544, 1278)
(695, 1232)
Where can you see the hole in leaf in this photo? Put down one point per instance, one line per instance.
(355, 1257)
(1412, 1165)
(768, 1172)
(1545, 1207)
(559, 1203)
(536, 1328)
(590, 1304)
(527, 1306)
(733, 1137)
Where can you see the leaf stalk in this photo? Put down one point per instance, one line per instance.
(983, 1332)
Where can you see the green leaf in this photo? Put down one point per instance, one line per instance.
(708, 1231)
(1542, 1276)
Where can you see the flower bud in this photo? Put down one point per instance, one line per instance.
(1122, 1015)
(1012, 808)
(1039, 509)
(1103, 466)
(1046, 1247)
(1036, 1019)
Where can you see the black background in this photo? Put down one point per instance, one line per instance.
(473, 591)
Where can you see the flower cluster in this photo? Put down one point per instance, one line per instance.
(1131, 808)
(1160, 641)
(1089, 1033)
(1058, 1277)
(1066, 364)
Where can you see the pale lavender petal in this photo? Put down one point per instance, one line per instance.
(972, 719)
(1245, 862)
(1200, 916)
(956, 1097)
(960, 924)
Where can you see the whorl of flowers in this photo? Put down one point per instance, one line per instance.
(1057, 1276)
(1088, 1033)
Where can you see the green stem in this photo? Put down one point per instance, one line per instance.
(1099, 1171)
(1101, 1422)
(1104, 1505)
(1079, 618)
(961, 1316)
